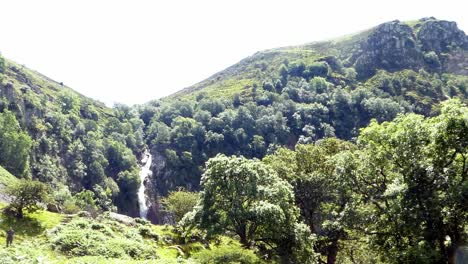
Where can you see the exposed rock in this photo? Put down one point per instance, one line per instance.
(53, 208)
(84, 214)
(391, 46)
(4, 198)
(457, 62)
(394, 46)
(441, 36)
(124, 219)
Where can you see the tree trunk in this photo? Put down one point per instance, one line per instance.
(332, 251)
(19, 214)
(244, 241)
(242, 232)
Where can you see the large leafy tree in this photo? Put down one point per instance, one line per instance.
(27, 196)
(323, 190)
(412, 173)
(247, 198)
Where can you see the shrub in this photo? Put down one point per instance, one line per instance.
(226, 254)
(180, 202)
(147, 232)
(83, 237)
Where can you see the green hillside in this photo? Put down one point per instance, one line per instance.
(300, 94)
(346, 50)
(51, 133)
(46, 237)
(351, 150)
(6, 178)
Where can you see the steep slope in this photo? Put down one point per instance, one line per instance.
(299, 94)
(52, 133)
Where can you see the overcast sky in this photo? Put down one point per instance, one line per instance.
(135, 51)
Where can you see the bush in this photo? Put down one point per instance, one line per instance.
(432, 59)
(147, 232)
(180, 202)
(226, 254)
(83, 237)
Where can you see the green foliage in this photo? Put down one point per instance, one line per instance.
(14, 145)
(85, 200)
(83, 237)
(412, 174)
(226, 254)
(26, 196)
(323, 191)
(247, 198)
(2, 65)
(180, 202)
(312, 100)
(51, 133)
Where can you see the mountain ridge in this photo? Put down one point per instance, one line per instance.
(315, 47)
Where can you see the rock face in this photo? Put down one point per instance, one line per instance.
(156, 214)
(395, 46)
(441, 36)
(391, 46)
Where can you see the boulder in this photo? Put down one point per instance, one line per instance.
(55, 208)
(124, 219)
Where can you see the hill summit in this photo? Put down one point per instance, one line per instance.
(427, 43)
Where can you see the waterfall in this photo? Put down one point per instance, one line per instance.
(144, 173)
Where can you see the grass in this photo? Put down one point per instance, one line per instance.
(32, 225)
(49, 88)
(40, 235)
(6, 178)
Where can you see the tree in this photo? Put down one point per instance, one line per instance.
(26, 196)
(323, 191)
(14, 145)
(413, 176)
(247, 198)
(180, 202)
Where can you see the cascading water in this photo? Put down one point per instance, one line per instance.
(144, 173)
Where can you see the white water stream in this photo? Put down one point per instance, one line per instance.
(144, 173)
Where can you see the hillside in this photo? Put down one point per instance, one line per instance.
(51, 133)
(391, 46)
(299, 94)
(46, 237)
(351, 150)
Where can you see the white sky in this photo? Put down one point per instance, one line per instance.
(136, 51)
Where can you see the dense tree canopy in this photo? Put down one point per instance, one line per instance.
(247, 198)
(413, 174)
(323, 191)
(14, 145)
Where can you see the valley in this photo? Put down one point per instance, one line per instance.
(350, 150)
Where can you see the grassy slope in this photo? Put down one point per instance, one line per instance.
(240, 77)
(20, 77)
(35, 234)
(6, 178)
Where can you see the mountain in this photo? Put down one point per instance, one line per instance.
(299, 94)
(391, 46)
(396, 196)
(278, 97)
